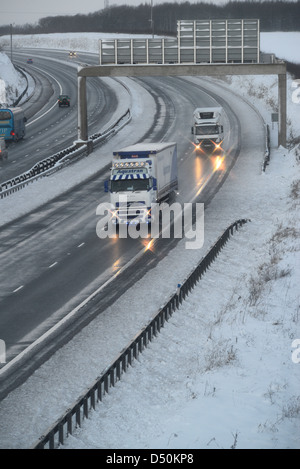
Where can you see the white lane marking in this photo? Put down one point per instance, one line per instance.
(68, 317)
(55, 104)
(19, 288)
(79, 246)
(52, 265)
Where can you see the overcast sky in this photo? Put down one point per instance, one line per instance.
(19, 12)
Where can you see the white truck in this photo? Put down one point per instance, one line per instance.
(141, 175)
(208, 127)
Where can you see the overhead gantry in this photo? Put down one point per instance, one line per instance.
(161, 70)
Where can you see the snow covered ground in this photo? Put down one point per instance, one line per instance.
(283, 44)
(224, 372)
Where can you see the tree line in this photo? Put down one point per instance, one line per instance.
(273, 16)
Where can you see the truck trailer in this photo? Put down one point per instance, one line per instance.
(208, 127)
(141, 175)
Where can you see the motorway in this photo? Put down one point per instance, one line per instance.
(52, 259)
(49, 128)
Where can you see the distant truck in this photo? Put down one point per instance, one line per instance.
(146, 173)
(12, 123)
(63, 100)
(208, 127)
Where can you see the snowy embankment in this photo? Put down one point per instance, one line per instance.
(12, 83)
(283, 44)
(222, 372)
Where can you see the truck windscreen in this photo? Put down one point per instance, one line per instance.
(129, 185)
(207, 130)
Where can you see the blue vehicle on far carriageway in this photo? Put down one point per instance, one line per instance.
(12, 123)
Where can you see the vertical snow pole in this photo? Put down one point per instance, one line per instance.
(82, 109)
(179, 43)
(195, 42)
(282, 109)
(210, 41)
(258, 41)
(226, 41)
